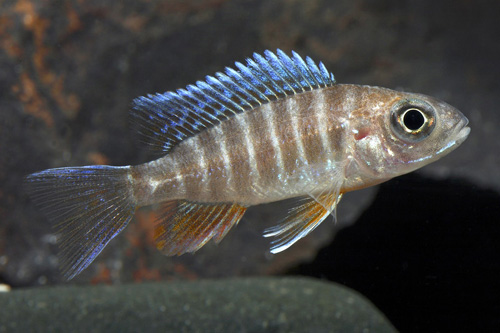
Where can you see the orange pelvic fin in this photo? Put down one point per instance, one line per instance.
(301, 220)
(186, 226)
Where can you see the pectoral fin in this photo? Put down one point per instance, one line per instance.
(330, 197)
(186, 226)
(301, 220)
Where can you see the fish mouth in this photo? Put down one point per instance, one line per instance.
(462, 132)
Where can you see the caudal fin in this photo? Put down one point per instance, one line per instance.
(88, 206)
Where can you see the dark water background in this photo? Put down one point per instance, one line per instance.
(424, 250)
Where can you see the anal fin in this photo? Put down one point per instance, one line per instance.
(186, 226)
(301, 220)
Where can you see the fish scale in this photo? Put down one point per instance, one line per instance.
(244, 140)
(275, 128)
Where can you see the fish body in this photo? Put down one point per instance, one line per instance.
(276, 128)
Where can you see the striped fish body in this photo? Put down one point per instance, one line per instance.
(277, 128)
(290, 147)
(283, 149)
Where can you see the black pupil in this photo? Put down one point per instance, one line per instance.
(413, 119)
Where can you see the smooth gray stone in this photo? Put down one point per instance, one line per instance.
(237, 305)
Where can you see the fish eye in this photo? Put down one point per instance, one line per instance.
(413, 120)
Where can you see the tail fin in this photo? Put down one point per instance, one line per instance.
(88, 206)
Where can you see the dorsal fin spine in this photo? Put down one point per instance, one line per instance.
(181, 116)
(166, 119)
(226, 81)
(324, 71)
(289, 67)
(199, 96)
(263, 70)
(253, 81)
(294, 73)
(281, 71)
(241, 79)
(273, 75)
(221, 97)
(299, 71)
(212, 95)
(276, 89)
(197, 121)
(157, 118)
(165, 98)
(185, 97)
(208, 99)
(228, 94)
(268, 85)
(316, 71)
(305, 70)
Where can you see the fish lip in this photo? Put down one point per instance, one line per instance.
(463, 131)
(462, 135)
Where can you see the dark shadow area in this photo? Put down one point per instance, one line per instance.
(426, 253)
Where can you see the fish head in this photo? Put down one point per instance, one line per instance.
(401, 132)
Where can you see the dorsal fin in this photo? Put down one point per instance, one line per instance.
(163, 120)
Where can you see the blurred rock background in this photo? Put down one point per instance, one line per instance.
(70, 69)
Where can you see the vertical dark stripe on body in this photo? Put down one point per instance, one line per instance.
(221, 162)
(284, 131)
(242, 153)
(270, 157)
(265, 152)
(322, 119)
(341, 101)
(309, 128)
(193, 156)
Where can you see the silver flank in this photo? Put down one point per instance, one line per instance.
(202, 171)
(292, 109)
(244, 126)
(226, 158)
(321, 118)
(270, 121)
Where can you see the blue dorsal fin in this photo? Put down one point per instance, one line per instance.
(163, 120)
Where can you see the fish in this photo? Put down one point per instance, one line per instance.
(278, 127)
